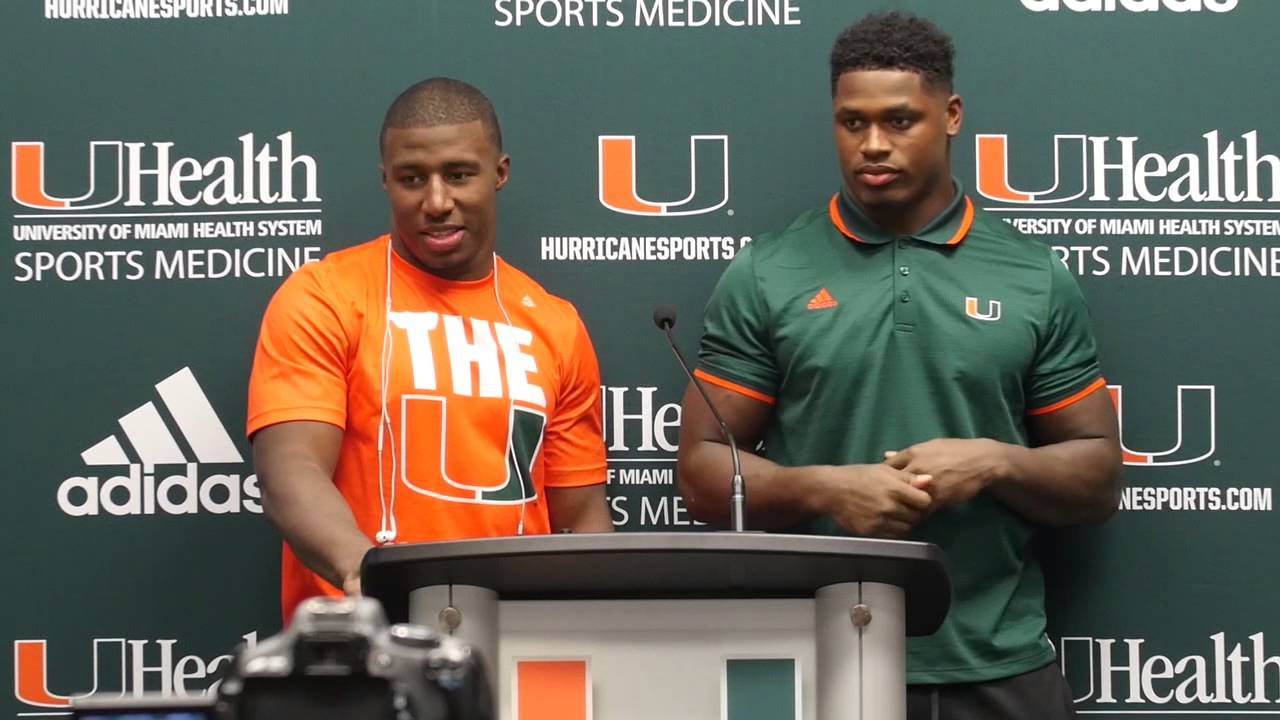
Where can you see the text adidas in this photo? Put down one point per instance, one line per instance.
(1138, 6)
(142, 493)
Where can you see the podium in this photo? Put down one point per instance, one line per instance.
(693, 626)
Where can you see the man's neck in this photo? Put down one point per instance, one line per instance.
(910, 220)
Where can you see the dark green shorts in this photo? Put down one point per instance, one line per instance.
(1040, 694)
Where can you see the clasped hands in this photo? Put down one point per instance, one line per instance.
(890, 498)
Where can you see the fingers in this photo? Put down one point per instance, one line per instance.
(898, 460)
(909, 516)
(351, 585)
(895, 529)
(914, 497)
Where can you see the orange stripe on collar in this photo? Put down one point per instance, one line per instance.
(965, 224)
(834, 210)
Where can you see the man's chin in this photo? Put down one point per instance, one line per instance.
(889, 197)
(456, 265)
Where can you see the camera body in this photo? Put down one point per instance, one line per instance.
(338, 659)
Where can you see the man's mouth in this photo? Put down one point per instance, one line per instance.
(442, 239)
(877, 175)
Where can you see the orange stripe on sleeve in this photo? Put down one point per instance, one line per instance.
(727, 385)
(1073, 399)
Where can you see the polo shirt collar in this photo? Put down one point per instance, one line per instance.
(949, 228)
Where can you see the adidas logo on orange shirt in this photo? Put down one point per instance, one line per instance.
(822, 301)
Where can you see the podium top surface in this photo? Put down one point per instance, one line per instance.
(635, 566)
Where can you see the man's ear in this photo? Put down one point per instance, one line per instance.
(955, 115)
(504, 170)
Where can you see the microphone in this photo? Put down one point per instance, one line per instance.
(664, 316)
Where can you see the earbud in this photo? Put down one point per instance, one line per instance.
(385, 537)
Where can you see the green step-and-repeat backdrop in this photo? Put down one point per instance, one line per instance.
(169, 162)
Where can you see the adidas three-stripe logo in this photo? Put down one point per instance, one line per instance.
(822, 301)
(183, 461)
(150, 437)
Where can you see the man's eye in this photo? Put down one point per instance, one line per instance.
(901, 123)
(853, 123)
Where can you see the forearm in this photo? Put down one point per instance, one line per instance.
(1074, 482)
(777, 496)
(583, 509)
(594, 520)
(317, 523)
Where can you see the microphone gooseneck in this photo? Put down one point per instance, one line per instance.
(664, 316)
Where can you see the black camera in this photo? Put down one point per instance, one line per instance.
(337, 660)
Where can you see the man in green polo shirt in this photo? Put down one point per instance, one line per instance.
(914, 369)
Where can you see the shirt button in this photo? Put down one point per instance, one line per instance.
(904, 270)
(905, 297)
(902, 243)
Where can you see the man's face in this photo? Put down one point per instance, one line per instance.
(892, 130)
(442, 183)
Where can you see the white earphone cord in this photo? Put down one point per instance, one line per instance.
(387, 526)
(497, 296)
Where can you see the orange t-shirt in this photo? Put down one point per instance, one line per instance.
(486, 410)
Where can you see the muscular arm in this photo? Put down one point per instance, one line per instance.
(1072, 475)
(295, 462)
(704, 464)
(872, 500)
(579, 509)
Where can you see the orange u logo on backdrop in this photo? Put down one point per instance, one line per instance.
(29, 181)
(1191, 445)
(617, 181)
(1069, 163)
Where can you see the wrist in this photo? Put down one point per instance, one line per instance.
(1003, 464)
(818, 488)
(348, 565)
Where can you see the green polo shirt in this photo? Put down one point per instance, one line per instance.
(865, 342)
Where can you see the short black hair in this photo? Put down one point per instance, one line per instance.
(894, 41)
(440, 101)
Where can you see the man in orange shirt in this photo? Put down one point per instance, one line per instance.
(417, 387)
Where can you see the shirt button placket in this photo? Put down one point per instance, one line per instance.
(904, 307)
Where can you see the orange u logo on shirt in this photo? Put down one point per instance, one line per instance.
(972, 309)
(457, 466)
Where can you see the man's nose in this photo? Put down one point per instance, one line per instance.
(875, 144)
(436, 198)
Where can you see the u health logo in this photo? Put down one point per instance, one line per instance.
(151, 174)
(120, 667)
(1087, 168)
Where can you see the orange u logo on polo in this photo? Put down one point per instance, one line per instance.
(1190, 445)
(972, 309)
(29, 181)
(708, 177)
(1069, 171)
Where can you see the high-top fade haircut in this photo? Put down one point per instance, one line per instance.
(894, 41)
(440, 101)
